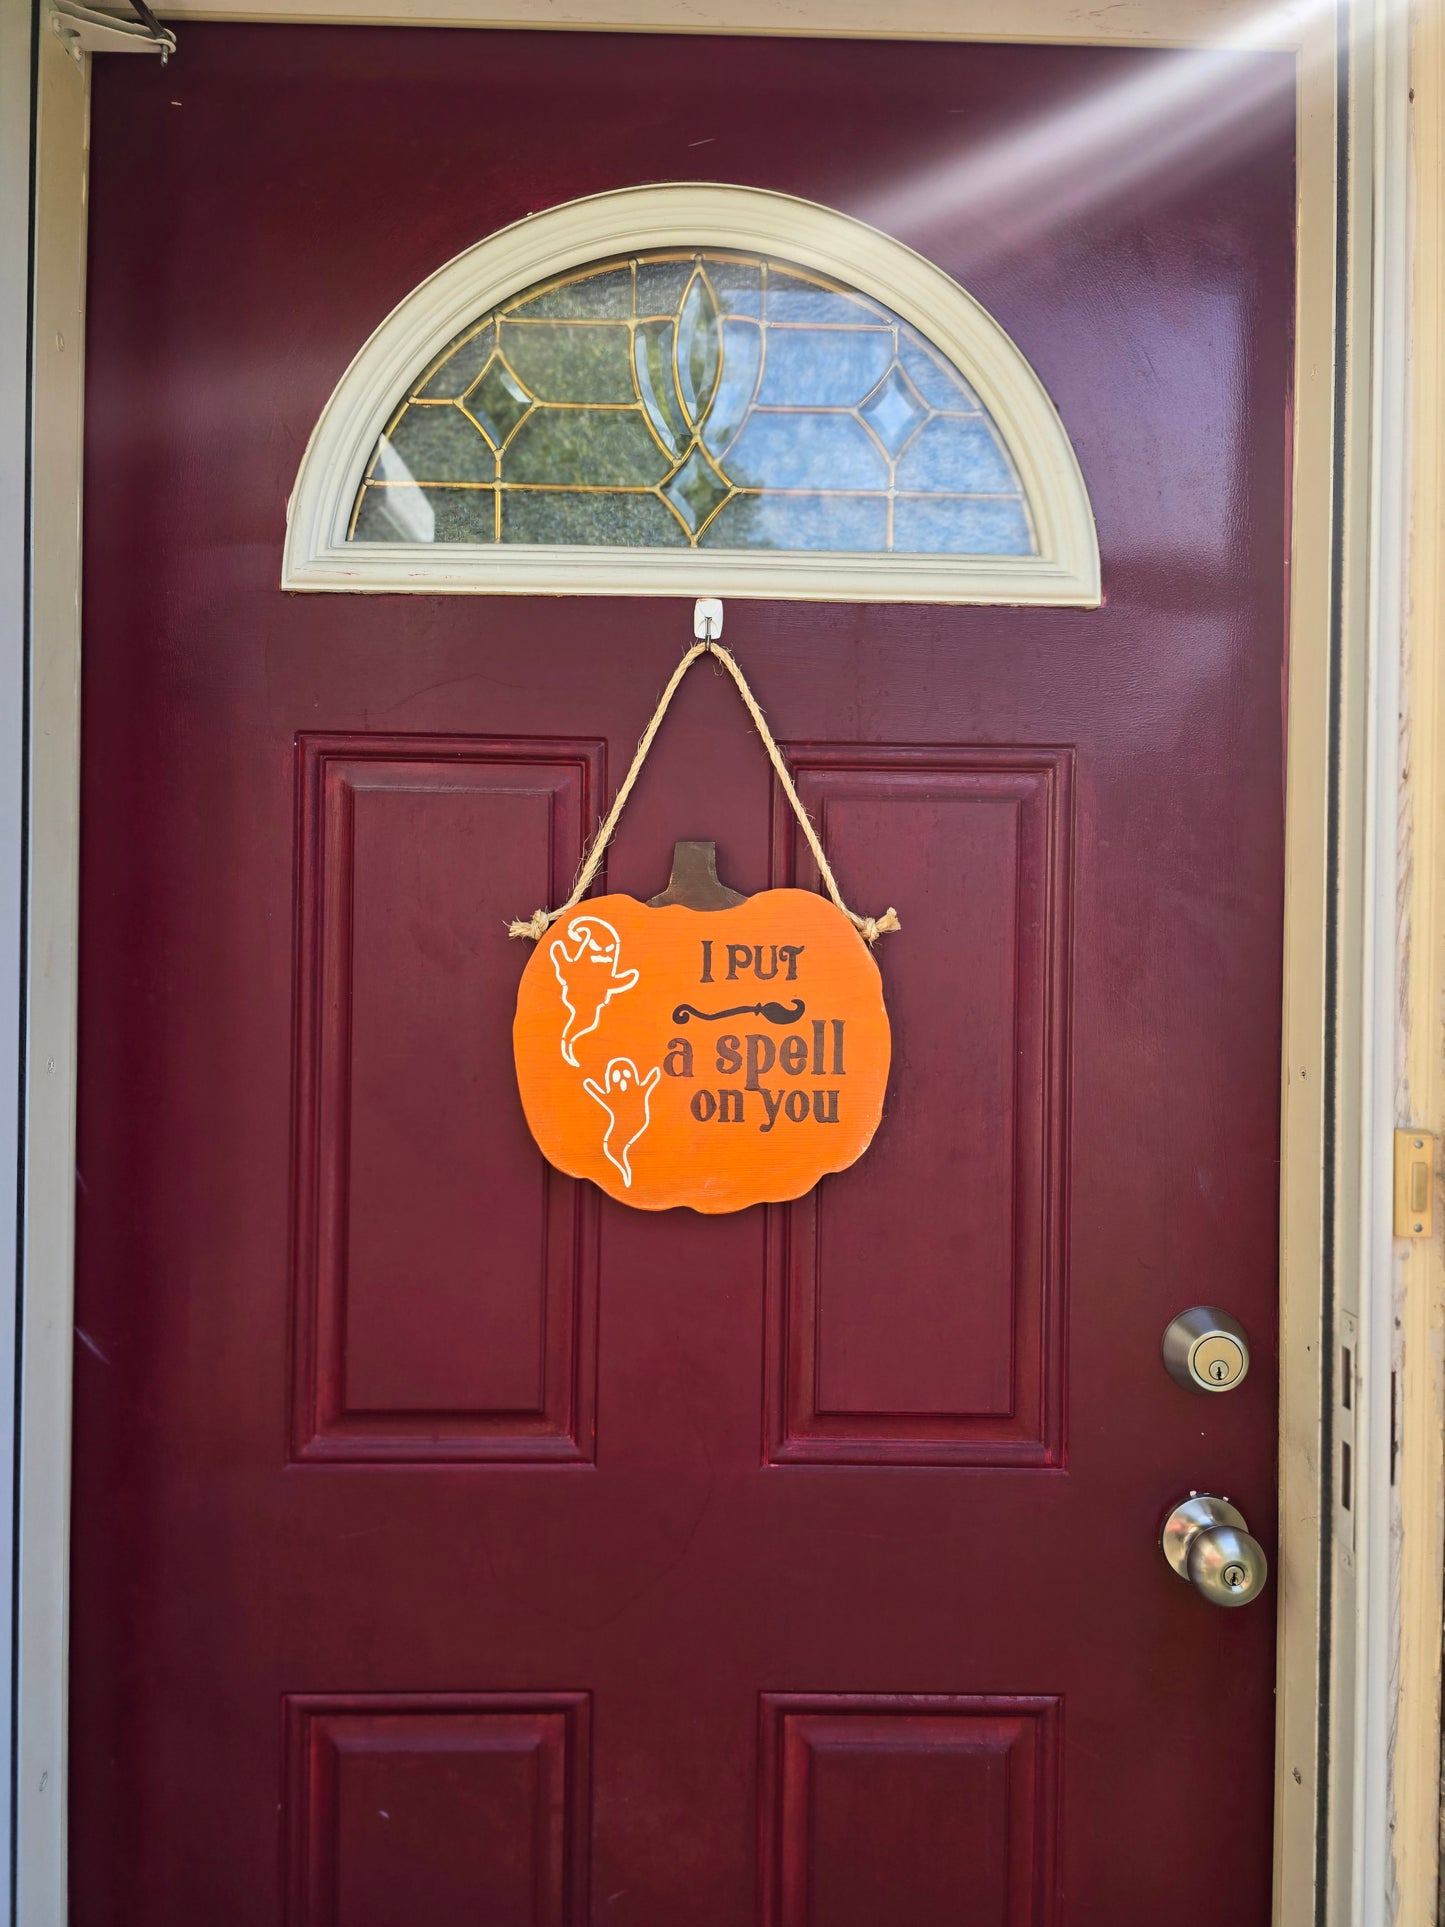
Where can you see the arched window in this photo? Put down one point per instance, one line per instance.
(753, 395)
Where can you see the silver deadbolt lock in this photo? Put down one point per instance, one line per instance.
(1205, 1350)
(1207, 1541)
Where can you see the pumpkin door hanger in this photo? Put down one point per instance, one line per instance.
(705, 1048)
(714, 1057)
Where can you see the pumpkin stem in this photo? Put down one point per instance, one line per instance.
(694, 881)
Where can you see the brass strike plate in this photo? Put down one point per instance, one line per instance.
(1414, 1184)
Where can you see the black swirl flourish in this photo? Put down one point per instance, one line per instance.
(774, 1013)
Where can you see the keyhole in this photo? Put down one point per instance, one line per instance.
(1234, 1578)
(1219, 1371)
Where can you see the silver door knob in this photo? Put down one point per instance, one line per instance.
(1207, 1541)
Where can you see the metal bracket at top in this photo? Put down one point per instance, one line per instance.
(88, 30)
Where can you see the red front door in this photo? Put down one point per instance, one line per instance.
(454, 1546)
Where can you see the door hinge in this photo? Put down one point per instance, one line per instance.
(1414, 1184)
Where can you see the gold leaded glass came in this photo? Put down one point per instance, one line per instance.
(715, 399)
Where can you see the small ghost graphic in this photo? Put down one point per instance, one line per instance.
(627, 1099)
(585, 961)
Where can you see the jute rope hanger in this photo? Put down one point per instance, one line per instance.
(869, 928)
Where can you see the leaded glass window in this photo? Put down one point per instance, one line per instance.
(715, 399)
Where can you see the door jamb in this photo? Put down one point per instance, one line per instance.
(49, 836)
(1419, 1341)
(1363, 967)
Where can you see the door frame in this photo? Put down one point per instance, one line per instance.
(1357, 1778)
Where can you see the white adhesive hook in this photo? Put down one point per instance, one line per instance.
(707, 618)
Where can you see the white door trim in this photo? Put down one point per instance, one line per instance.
(51, 841)
(1340, 864)
(15, 115)
(1285, 24)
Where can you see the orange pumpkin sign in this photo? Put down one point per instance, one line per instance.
(712, 1058)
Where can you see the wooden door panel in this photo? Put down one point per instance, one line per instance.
(441, 1810)
(446, 1277)
(929, 1333)
(962, 1789)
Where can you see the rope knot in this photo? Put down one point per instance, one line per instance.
(870, 929)
(534, 926)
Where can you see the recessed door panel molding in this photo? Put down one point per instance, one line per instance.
(932, 1334)
(445, 1808)
(446, 1277)
(961, 1790)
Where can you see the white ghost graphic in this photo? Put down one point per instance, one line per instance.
(585, 961)
(627, 1099)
